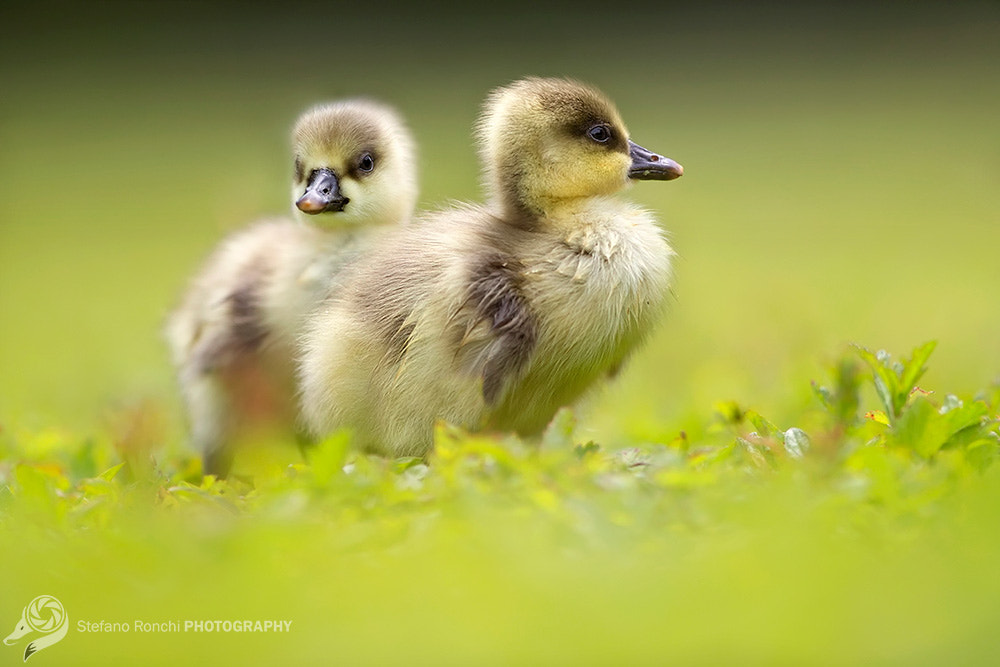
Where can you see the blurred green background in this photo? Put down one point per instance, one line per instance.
(842, 183)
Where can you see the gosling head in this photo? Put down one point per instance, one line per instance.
(354, 165)
(547, 142)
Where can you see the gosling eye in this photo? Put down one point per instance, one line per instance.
(366, 164)
(600, 133)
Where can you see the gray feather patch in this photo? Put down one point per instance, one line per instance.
(496, 295)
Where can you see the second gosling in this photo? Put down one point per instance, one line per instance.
(493, 317)
(234, 336)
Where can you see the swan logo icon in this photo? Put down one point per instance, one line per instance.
(45, 615)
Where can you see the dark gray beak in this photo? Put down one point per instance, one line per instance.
(648, 166)
(322, 194)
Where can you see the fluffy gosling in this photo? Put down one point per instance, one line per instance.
(233, 338)
(494, 316)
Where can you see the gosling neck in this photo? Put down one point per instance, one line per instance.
(567, 215)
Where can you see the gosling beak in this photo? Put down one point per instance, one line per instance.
(648, 166)
(322, 194)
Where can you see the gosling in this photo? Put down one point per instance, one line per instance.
(233, 338)
(494, 316)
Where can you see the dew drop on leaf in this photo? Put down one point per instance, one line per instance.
(796, 442)
(951, 402)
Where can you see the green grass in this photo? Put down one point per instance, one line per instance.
(840, 186)
(858, 538)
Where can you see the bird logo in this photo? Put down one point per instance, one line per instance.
(46, 615)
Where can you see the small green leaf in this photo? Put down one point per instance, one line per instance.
(920, 428)
(967, 417)
(983, 453)
(192, 494)
(824, 394)
(765, 429)
(760, 455)
(97, 486)
(110, 473)
(877, 416)
(914, 368)
(404, 463)
(886, 380)
(926, 429)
